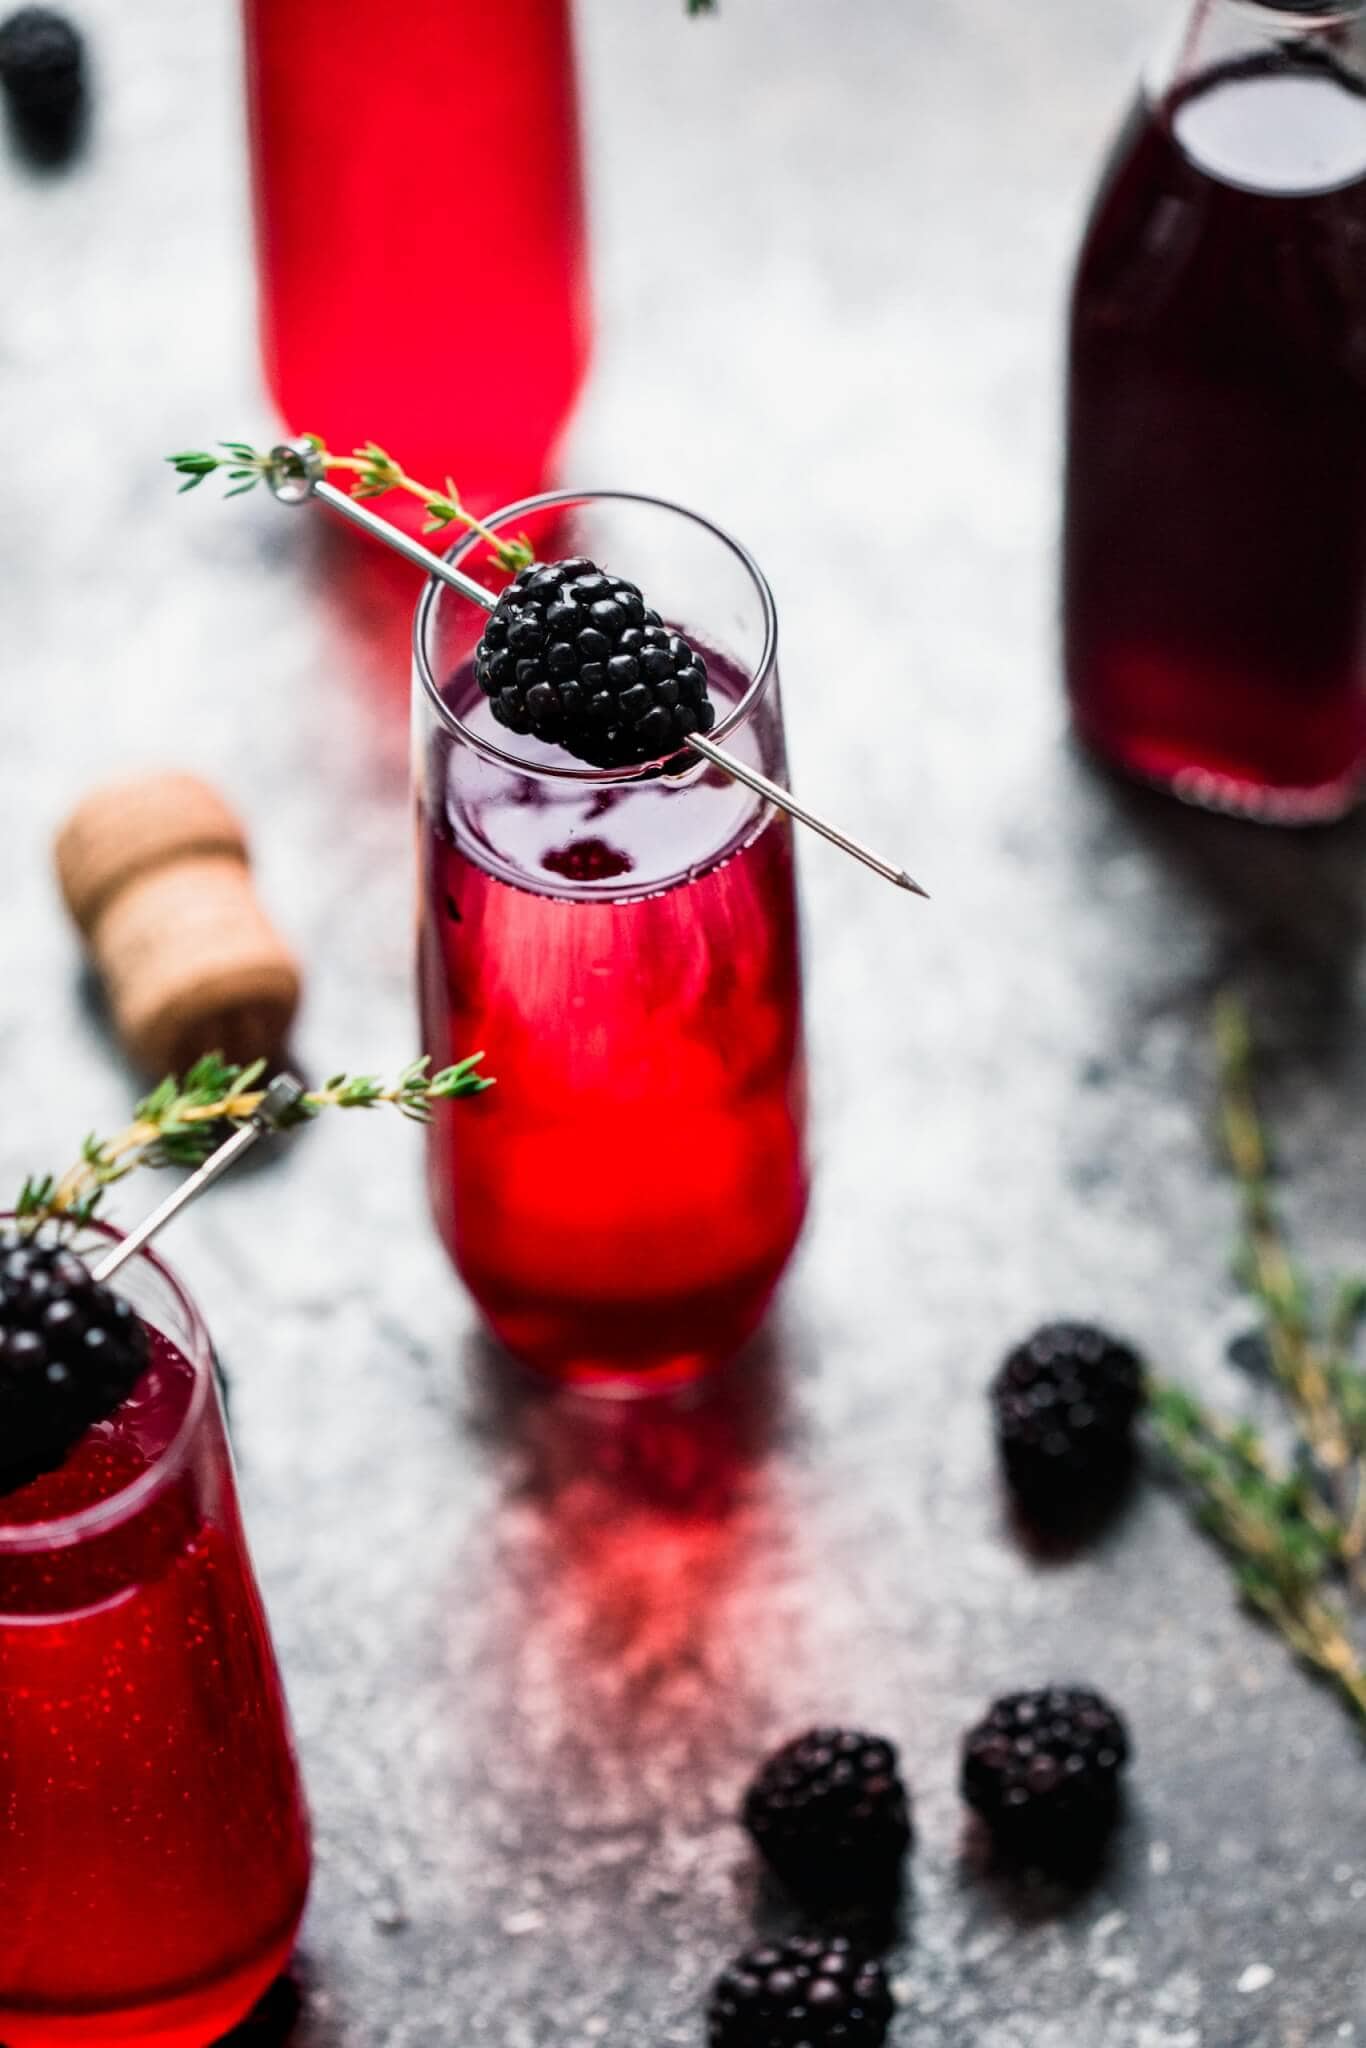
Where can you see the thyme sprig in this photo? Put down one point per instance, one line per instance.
(375, 471)
(1285, 1549)
(1294, 1529)
(1310, 1357)
(181, 1121)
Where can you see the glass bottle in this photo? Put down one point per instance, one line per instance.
(419, 228)
(1214, 593)
(622, 1205)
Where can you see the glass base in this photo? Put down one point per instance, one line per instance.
(187, 2020)
(630, 1351)
(1222, 788)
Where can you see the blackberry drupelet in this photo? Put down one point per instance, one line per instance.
(1065, 1402)
(810, 1992)
(1043, 1772)
(575, 657)
(830, 1814)
(42, 70)
(70, 1352)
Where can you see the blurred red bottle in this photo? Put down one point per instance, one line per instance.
(420, 230)
(1215, 548)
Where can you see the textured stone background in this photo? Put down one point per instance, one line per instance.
(533, 1652)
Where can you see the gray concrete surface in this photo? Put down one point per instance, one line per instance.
(533, 1653)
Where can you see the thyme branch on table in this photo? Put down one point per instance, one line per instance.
(1294, 1529)
(1284, 1549)
(181, 1121)
(375, 472)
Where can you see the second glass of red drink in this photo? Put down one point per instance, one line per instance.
(154, 1851)
(625, 942)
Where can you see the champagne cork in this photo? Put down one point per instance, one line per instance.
(155, 872)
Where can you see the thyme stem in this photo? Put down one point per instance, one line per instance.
(1279, 1539)
(1291, 1531)
(375, 471)
(176, 1124)
(1315, 1377)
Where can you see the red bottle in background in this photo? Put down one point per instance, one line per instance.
(1215, 546)
(420, 233)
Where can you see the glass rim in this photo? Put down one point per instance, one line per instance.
(64, 1532)
(571, 770)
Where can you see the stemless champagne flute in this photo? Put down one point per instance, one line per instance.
(622, 1206)
(154, 1854)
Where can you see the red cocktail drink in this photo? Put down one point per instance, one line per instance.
(622, 1205)
(154, 1850)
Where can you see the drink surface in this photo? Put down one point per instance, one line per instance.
(420, 231)
(153, 1846)
(622, 1204)
(1215, 546)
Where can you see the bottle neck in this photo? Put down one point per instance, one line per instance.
(1267, 95)
(1212, 36)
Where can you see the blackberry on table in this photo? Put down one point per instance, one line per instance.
(809, 1992)
(1065, 1402)
(42, 71)
(70, 1352)
(830, 1814)
(1042, 1771)
(576, 657)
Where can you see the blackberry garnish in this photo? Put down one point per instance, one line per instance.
(70, 1352)
(810, 1992)
(1042, 1771)
(1065, 1403)
(830, 1814)
(576, 657)
(588, 860)
(42, 72)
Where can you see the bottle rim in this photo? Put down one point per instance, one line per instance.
(1325, 13)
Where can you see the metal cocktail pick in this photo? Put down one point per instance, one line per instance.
(297, 474)
(283, 1095)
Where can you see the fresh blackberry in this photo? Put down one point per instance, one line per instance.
(588, 860)
(70, 1352)
(575, 657)
(1065, 1402)
(830, 1814)
(1043, 1771)
(810, 1992)
(42, 69)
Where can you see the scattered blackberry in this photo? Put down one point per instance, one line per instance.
(574, 656)
(810, 1992)
(70, 1352)
(42, 69)
(1042, 1770)
(1065, 1403)
(830, 1814)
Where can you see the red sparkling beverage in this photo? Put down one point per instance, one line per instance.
(420, 230)
(154, 1853)
(1215, 551)
(622, 1204)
